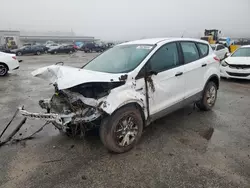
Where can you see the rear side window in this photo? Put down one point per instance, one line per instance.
(203, 49)
(165, 58)
(190, 51)
(220, 47)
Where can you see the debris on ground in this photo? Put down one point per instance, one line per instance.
(15, 131)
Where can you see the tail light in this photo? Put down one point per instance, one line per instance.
(216, 58)
(14, 57)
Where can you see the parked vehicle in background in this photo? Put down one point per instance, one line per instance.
(7, 62)
(220, 50)
(25, 50)
(226, 41)
(53, 46)
(128, 86)
(92, 47)
(237, 65)
(63, 49)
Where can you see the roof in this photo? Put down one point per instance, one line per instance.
(245, 46)
(154, 41)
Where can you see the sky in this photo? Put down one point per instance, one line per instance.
(128, 19)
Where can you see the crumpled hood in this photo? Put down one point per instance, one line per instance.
(67, 77)
(238, 60)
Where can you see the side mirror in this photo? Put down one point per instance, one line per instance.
(228, 54)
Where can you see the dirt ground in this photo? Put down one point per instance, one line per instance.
(187, 148)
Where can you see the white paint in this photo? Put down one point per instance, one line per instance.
(220, 50)
(9, 60)
(235, 61)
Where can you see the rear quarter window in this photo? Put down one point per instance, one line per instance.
(204, 49)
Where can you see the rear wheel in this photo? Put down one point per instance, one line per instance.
(209, 97)
(55, 52)
(70, 51)
(121, 131)
(3, 69)
(19, 53)
(38, 53)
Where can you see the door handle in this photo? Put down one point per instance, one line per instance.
(140, 89)
(178, 73)
(203, 65)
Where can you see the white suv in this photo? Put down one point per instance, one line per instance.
(128, 86)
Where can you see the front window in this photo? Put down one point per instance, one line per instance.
(242, 52)
(119, 59)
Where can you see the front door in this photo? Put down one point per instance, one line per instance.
(166, 83)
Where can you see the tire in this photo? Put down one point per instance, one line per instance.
(3, 69)
(38, 53)
(55, 52)
(70, 52)
(111, 127)
(19, 53)
(208, 98)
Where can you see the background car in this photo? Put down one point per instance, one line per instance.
(220, 50)
(63, 49)
(36, 50)
(7, 62)
(53, 46)
(92, 47)
(237, 65)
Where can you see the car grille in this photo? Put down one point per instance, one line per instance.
(238, 74)
(239, 66)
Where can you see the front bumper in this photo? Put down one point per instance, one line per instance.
(62, 120)
(51, 117)
(228, 72)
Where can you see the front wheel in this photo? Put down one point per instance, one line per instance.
(121, 131)
(209, 97)
(19, 53)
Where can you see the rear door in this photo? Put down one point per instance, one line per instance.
(194, 68)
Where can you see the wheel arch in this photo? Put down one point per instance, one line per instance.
(214, 78)
(2, 63)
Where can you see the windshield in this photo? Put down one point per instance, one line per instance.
(119, 59)
(242, 52)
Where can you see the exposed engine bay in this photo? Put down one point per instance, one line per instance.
(78, 106)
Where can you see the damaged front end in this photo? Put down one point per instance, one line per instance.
(77, 106)
(66, 109)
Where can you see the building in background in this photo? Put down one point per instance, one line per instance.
(13, 39)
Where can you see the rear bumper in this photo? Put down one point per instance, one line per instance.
(228, 72)
(13, 64)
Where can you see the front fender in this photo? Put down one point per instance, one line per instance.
(117, 99)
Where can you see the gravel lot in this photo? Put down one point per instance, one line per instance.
(187, 148)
